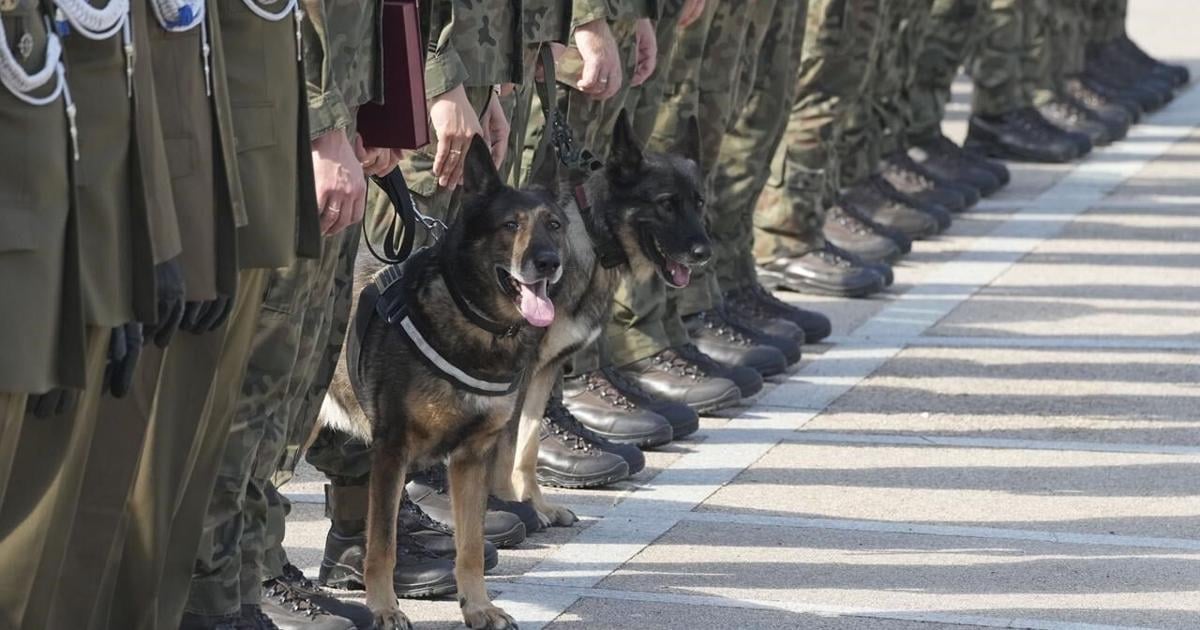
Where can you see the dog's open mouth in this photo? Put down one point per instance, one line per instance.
(531, 299)
(673, 272)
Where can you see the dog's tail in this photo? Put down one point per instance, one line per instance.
(334, 415)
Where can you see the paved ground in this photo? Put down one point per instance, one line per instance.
(1010, 438)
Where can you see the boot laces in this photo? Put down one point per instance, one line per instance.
(679, 365)
(409, 506)
(298, 600)
(909, 173)
(849, 221)
(568, 429)
(600, 383)
(723, 328)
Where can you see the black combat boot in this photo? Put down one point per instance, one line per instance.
(940, 156)
(748, 380)
(757, 298)
(430, 489)
(609, 413)
(825, 272)
(571, 456)
(1175, 74)
(910, 178)
(1110, 64)
(874, 199)
(419, 573)
(294, 602)
(671, 376)
(1020, 135)
(683, 419)
(1068, 114)
(1113, 111)
(852, 233)
(716, 337)
(436, 536)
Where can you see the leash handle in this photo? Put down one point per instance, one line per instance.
(405, 218)
(558, 133)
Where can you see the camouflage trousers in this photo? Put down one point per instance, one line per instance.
(827, 86)
(951, 34)
(1106, 20)
(1056, 32)
(1000, 57)
(301, 323)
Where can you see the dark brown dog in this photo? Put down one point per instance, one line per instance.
(481, 300)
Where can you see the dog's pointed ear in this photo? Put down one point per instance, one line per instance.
(480, 176)
(688, 144)
(625, 157)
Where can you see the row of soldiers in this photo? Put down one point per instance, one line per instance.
(161, 173)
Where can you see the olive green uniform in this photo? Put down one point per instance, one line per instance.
(1106, 20)
(952, 31)
(997, 63)
(42, 322)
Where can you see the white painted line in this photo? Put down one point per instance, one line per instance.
(991, 533)
(1041, 342)
(830, 437)
(538, 590)
(620, 535)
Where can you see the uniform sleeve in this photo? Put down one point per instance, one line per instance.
(444, 68)
(584, 11)
(327, 108)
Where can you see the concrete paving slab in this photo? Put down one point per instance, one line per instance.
(1127, 494)
(595, 612)
(933, 575)
(1102, 396)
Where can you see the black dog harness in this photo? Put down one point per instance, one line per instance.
(388, 297)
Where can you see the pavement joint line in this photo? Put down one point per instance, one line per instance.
(613, 540)
(833, 437)
(1041, 342)
(528, 594)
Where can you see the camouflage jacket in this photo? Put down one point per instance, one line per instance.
(473, 43)
(584, 11)
(342, 60)
(545, 21)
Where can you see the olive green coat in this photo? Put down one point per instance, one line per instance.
(41, 326)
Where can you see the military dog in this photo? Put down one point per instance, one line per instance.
(641, 215)
(434, 369)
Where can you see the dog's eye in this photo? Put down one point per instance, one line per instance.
(554, 225)
(512, 226)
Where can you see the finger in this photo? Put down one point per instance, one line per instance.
(440, 159)
(191, 314)
(333, 212)
(43, 406)
(460, 164)
(614, 82)
(589, 80)
(360, 152)
(453, 169)
(223, 315)
(166, 329)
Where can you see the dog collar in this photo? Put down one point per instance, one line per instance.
(608, 250)
(473, 313)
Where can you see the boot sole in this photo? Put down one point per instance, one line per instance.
(649, 440)
(801, 285)
(727, 400)
(346, 578)
(684, 430)
(996, 151)
(562, 480)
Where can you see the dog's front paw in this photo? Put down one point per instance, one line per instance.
(487, 617)
(552, 515)
(391, 620)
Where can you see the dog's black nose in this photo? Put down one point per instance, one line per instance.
(701, 252)
(546, 263)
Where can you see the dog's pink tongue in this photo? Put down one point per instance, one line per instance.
(680, 274)
(535, 305)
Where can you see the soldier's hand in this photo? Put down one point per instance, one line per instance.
(55, 402)
(495, 130)
(601, 60)
(692, 10)
(647, 52)
(124, 348)
(375, 161)
(556, 51)
(207, 315)
(341, 187)
(170, 289)
(454, 124)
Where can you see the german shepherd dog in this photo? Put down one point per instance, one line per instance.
(645, 220)
(503, 258)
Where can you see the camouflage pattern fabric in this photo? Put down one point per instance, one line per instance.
(996, 65)
(827, 84)
(857, 149)
(896, 108)
(340, 60)
(773, 50)
(949, 38)
(1106, 20)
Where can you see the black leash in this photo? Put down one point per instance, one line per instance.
(405, 218)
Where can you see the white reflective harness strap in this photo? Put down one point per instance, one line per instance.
(21, 83)
(448, 368)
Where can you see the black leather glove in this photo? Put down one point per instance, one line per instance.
(169, 285)
(207, 316)
(55, 402)
(124, 348)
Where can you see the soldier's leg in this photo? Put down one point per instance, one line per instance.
(789, 214)
(947, 42)
(857, 152)
(45, 480)
(188, 527)
(747, 150)
(12, 416)
(996, 64)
